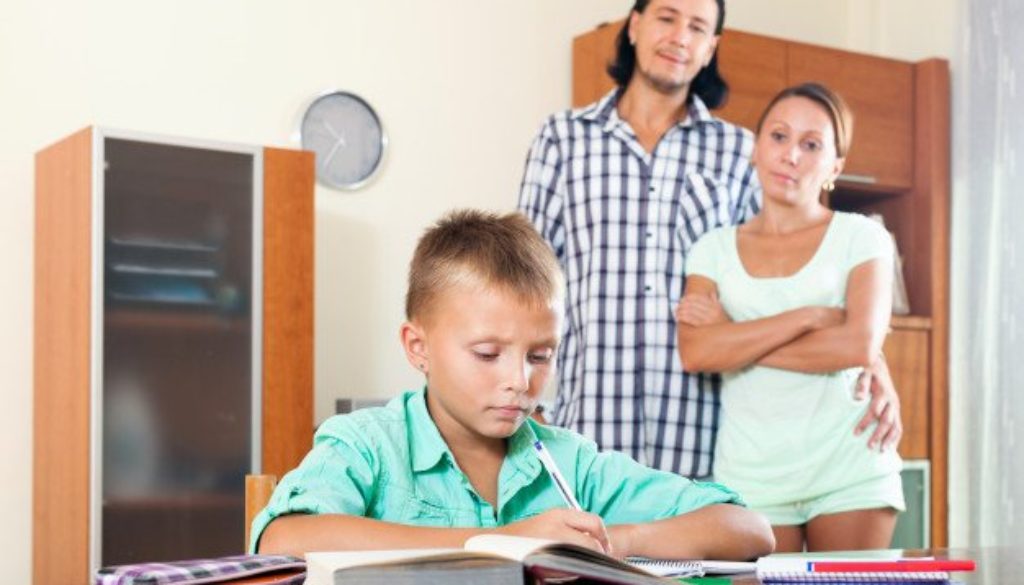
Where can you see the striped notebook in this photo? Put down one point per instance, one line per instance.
(858, 570)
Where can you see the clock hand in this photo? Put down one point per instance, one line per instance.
(331, 130)
(334, 150)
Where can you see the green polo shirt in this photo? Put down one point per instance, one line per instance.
(390, 463)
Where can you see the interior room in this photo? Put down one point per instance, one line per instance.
(461, 87)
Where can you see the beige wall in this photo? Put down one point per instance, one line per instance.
(461, 85)
(903, 29)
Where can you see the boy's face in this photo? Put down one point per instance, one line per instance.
(487, 356)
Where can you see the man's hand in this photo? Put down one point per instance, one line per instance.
(564, 525)
(884, 409)
(698, 310)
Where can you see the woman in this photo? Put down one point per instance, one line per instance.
(791, 306)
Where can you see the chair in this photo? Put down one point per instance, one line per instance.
(257, 493)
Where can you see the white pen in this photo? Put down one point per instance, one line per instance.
(556, 476)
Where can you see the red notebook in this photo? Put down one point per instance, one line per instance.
(845, 570)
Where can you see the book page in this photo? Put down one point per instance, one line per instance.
(513, 547)
(567, 559)
(320, 566)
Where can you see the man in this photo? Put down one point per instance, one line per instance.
(622, 189)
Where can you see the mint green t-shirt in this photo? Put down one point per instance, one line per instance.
(390, 463)
(787, 436)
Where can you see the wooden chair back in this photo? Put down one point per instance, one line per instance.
(257, 494)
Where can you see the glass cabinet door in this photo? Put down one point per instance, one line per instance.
(177, 352)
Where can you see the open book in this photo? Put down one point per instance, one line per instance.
(487, 558)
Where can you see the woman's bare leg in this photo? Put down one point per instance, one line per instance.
(789, 538)
(853, 530)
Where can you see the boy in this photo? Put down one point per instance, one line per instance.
(455, 459)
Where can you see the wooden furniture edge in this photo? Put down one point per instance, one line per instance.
(288, 265)
(61, 361)
(932, 179)
(258, 488)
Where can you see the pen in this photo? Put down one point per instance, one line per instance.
(556, 476)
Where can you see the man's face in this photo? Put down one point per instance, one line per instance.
(674, 40)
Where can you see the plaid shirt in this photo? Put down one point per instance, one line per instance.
(621, 221)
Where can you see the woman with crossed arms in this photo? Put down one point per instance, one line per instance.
(790, 307)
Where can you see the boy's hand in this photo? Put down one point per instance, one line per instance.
(564, 525)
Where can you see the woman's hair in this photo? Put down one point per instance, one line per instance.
(478, 248)
(833, 104)
(708, 84)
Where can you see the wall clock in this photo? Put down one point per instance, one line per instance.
(348, 138)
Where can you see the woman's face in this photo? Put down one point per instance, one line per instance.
(795, 152)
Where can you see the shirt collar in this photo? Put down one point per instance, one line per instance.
(428, 447)
(520, 449)
(699, 113)
(605, 112)
(425, 441)
(602, 111)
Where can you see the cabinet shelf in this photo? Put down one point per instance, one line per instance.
(186, 321)
(911, 322)
(189, 501)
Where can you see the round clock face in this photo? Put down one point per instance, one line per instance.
(347, 137)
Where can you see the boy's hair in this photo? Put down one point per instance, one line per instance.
(479, 247)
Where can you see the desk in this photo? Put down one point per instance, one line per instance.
(996, 565)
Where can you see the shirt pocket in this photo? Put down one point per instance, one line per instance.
(420, 513)
(397, 503)
(706, 204)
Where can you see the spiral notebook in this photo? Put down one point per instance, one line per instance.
(667, 568)
(858, 570)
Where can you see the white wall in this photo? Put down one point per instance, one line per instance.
(462, 85)
(902, 29)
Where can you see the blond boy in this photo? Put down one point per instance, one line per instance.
(456, 458)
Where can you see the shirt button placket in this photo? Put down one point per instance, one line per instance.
(651, 241)
(649, 233)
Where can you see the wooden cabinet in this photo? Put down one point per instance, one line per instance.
(173, 344)
(755, 68)
(880, 92)
(898, 167)
(591, 54)
(906, 352)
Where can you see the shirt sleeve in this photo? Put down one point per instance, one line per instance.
(703, 257)
(748, 199)
(542, 192)
(336, 477)
(869, 240)
(620, 490)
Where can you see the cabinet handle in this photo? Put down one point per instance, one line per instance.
(863, 179)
